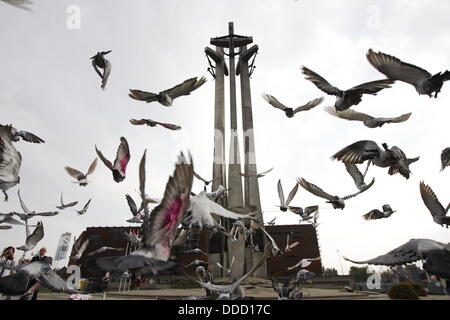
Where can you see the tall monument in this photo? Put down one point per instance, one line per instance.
(243, 250)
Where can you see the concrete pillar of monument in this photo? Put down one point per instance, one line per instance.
(219, 163)
(251, 185)
(235, 197)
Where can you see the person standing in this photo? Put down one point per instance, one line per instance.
(7, 260)
(41, 257)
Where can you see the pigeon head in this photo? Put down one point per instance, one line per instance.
(165, 99)
(117, 176)
(289, 112)
(337, 204)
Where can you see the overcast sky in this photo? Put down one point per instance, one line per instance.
(48, 87)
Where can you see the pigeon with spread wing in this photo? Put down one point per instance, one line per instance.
(80, 176)
(395, 69)
(152, 123)
(290, 112)
(350, 97)
(119, 167)
(284, 204)
(436, 209)
(10, 161)
(166, 97)
(376, 214)
(99, 61)
(368, 120)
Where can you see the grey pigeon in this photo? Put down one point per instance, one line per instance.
(445, 158)
(34, 238)
(152, 123)
(10, 161)
(435, 255)
(206, 182)
(28, 214)
(80, 176)
(258, 175)
(166, 97)
(369, 121)
(350, 97)
(434, 206)
(19, 283)
(24, 135)
(99, 61)
(8, 218)
(376, 214)
(283, 289)
(284, 204)
(305, 214)
(395, 69)
(67, 205)
(336, 201)
(364, 150)
(119, 167)
(290, 112)
(85, 208)
(159, 227)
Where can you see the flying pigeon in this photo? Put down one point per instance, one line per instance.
(24, 135)
(395, 69)
(258, 175)
(152, 123)
(284, 205)
(336, 201)
(435, 255)
(350, 97)
(276, 251)
(99, 61)
(28, 214)
(159, 228)
(303, 263)
(206, 182)
(445, 158)
(272, 222)
(8, 218)
(289, 111)
(80, 176)
(201, 209)
(5, 227)
(434, 206)
(65, 206)
(34, 238)
(10, 161)
(369, 121)
(233, 291)
(166, 97)
(290, 246)
(306, 213)
(85, 208)
(120, 163)
(19, 282)
(376, 214)
(304, 275)
(363, 150)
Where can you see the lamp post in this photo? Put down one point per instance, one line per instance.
(340, 262)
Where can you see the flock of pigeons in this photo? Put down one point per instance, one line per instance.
(181, 211)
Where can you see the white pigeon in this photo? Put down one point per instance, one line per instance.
(303, 263)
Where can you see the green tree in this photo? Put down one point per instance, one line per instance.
(359, 274)
(329, 272)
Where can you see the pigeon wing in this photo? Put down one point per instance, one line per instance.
(10, 158)
(311, 104)
(29, 137)
(123, 156)
(406, 253)
(292, 194)
(315, 190)
(22, 204)
(373, 87)
(356, 175)
(348, 114)
(185, 88)
(358, 152)
(274, 102)
(74, 173)
(431, 201)
(280, 193)
(445, 158)
(92, 167)
(34, 238)
(49, 279)
(161, 228)
(104, 160)
(364, 188)
(321, 83)
(395, 69)
(143, 95)
(106, 72)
